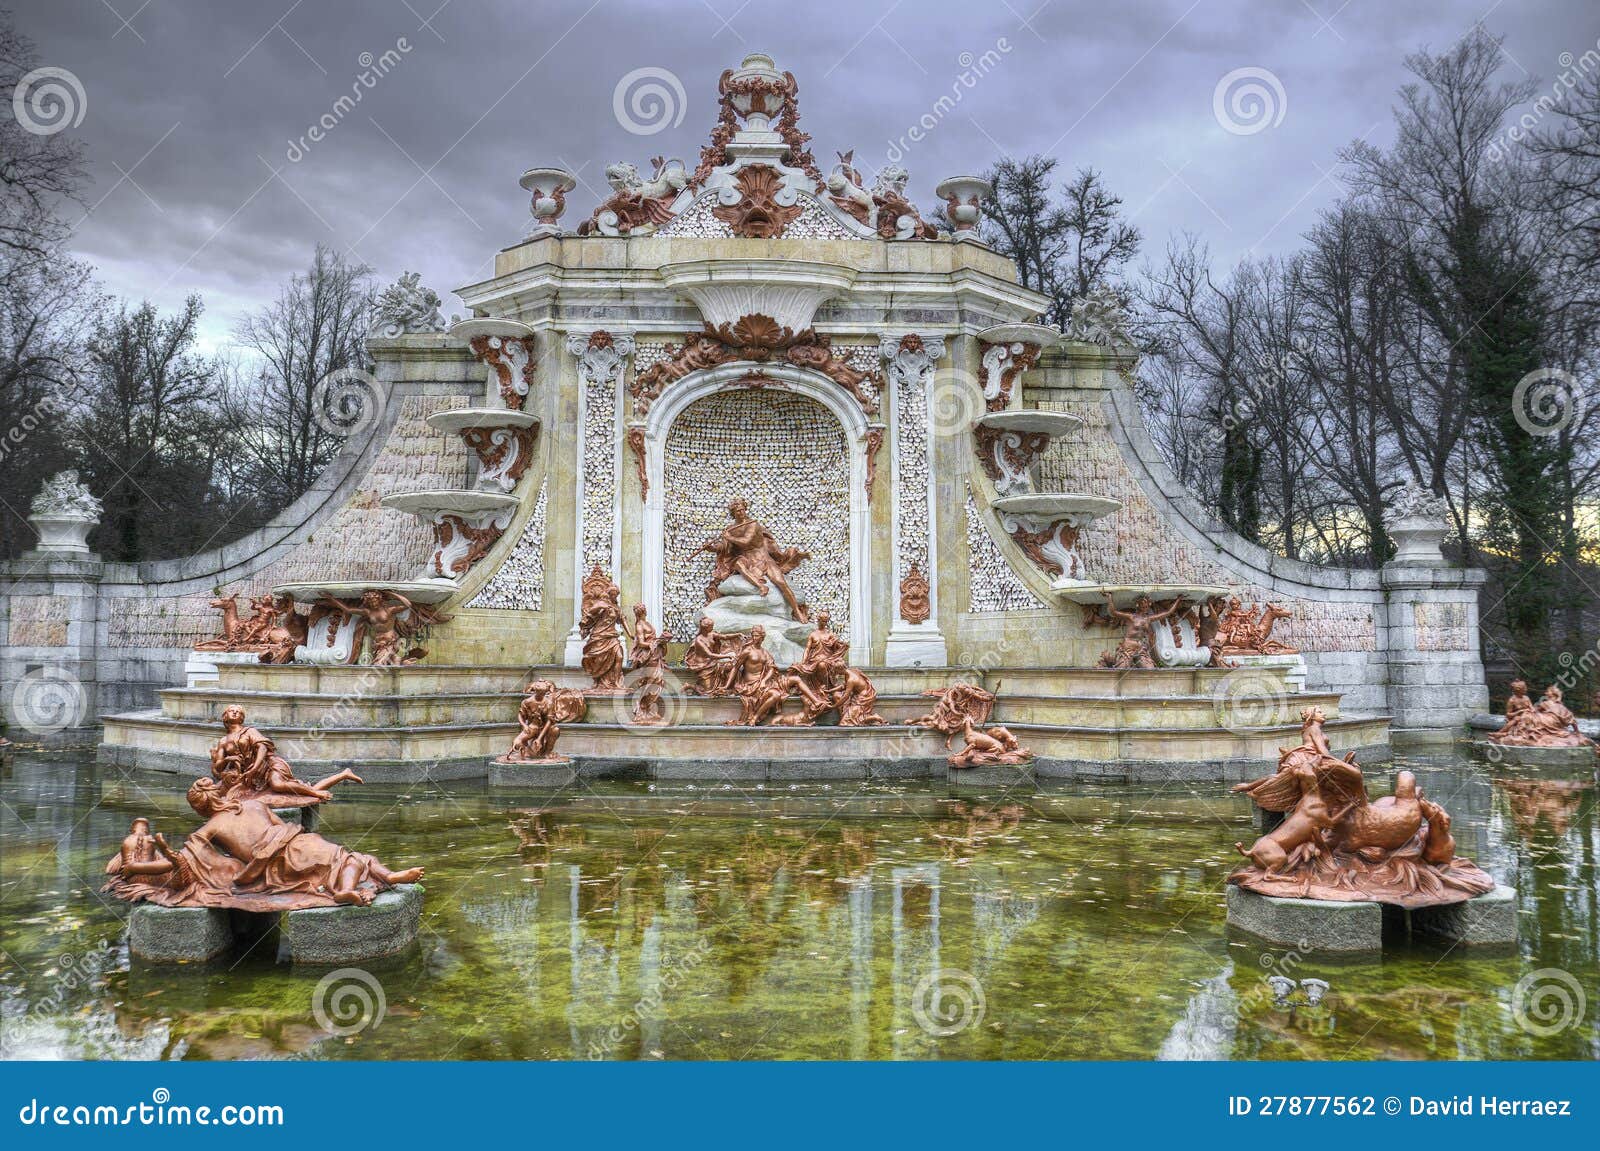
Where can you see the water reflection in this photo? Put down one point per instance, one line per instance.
(630, 922)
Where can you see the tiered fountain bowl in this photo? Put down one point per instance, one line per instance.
(1126, 595)
(467, 330)
(509, 430)
(427, 591)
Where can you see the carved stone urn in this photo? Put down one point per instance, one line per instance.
(549, 187)
(964, 197)
(64, 513)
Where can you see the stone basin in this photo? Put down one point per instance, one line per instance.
(789, 291)
(466, 330)
(1040, 335)
(1126, 595)
(449, 501)
(1053, 424)
(1077, 508)
(457, 418)
(428, 591)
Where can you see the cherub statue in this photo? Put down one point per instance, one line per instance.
(405, 306)
(542, 711)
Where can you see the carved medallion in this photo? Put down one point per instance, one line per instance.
(915, 605)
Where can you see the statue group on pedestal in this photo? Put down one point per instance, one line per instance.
(334, 630)
(1337, 844)
(245, 856)
(1224, 626)
(1548, 723)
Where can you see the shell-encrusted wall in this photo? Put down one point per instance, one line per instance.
(786, 455)
(993, 586)
(520, 581)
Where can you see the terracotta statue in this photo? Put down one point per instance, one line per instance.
(747, 548)
(996, 745)
(1206, 619)
(246, 765)
(245, 857)
(229, 607)
(709, 657)
(389, 618)
(1248, 631)
(288, 631)
(1548, 723)
(650, 657)
(1336, 844)
(601, 626)
(1138, 646)
(1517, 702)
(754, 678)
(957, 704)
(824, 661)
(857, 701)
(543, 710)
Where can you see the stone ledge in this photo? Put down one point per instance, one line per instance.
(1487, 920)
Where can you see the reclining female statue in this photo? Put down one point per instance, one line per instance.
(245, 857)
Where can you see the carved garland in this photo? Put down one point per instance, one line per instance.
(511, 358)
(760, 339)
(874, 442)
(636, 444)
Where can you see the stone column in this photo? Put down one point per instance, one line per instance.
(601, 356)
(1435, 680)
(914, 636)
(48, 662)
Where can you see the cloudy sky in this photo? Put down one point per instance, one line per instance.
(195, 113)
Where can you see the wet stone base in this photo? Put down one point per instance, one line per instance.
(1325, 925)
(553, 774)
(341, 935)
(317, 935)
(1563, 762)
(1307, 924)
(1489, 920)
(179, 934)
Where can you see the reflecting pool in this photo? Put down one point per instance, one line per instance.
(910, 921)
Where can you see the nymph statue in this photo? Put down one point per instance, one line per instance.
(601, 626)
(1138, 646)
(1548, 723)
(246, 765)
(1337, 844)
(245, 857)
(649, 658)
(709, 657)
(755, 679)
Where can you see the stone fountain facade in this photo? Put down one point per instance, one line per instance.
(874, 385)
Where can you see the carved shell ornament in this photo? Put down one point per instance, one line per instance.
(757, 206)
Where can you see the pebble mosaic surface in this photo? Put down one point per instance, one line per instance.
(520, 581)
(786, 455)
(994, 586)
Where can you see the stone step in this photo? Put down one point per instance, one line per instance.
(328, 711)
(447, 679)
(149, 739)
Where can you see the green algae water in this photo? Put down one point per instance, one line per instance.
(806, 921)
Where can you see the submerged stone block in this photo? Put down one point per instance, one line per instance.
(1307, 924)
(1485, 920)
(178, 934)
(342, 935)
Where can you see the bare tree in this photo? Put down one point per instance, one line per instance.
(1064, 247)
(316, 327)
